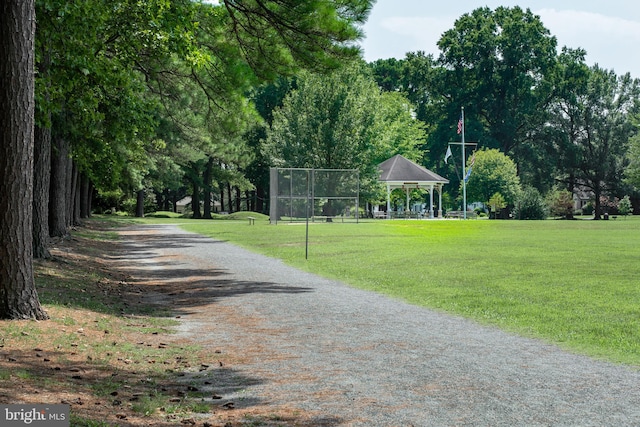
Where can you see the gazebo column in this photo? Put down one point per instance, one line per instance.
(388, 201)
(440, 201)
(407, 208)
(431, 202)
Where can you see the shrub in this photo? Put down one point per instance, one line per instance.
(561, 203)
(530, 205)
(624, 206)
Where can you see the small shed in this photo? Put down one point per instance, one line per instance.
(400, 172)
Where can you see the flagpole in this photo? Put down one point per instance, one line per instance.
(464, 171)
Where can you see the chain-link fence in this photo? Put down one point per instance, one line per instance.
(298, 194)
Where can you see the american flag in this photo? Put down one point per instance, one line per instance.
(460, 124)
(473, 160)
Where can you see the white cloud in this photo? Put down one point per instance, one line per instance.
(609, 41)
(576, 25)
(419, 27)
(409, 34)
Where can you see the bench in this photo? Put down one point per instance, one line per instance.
(252, 220)
(460, 214)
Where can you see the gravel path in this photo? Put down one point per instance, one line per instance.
(356, 358)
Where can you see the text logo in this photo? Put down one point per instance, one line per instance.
(34, 415)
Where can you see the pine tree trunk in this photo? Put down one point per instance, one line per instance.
(89, 198)
(41, 178)
(206, 199)
(58, 193)
(72, 190)
(222, 199)
(18, 296)
(76, 195)
(85, 206)
(251, 200)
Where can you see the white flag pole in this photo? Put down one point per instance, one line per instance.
(464, 170)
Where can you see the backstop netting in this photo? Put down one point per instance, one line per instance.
(298, 194)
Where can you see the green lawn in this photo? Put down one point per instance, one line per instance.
(575, 283)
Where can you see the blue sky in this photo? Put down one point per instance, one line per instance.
(609, 30)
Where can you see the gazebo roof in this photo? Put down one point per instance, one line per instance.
(399, 170)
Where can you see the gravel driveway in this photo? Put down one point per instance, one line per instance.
(356, 358)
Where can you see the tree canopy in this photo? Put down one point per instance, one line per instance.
(504, 60)
(342, 121)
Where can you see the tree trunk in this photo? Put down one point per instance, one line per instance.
(168, 205)
(57, 189)
(222, 199)
(89, 199)
(75, 196)
(41, 178)
(71, 188)
(230, 194)
(140, 204)
(195, 201)
(18, 296)
(260, 198)
(238, 199)
(174, 201)
(206, 177)
(597, 206)
(251, 200)
(85, 205)
(42, 168)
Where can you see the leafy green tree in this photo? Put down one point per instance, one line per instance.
(412, 76)
(499, 62)
(326, 122)
(624, 206)
(632, 171)
(496, 203)
(493, 172)
(596, 120)
(342, 121)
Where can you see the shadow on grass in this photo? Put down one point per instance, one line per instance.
(121, 394)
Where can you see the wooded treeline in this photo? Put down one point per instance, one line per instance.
(101, 100)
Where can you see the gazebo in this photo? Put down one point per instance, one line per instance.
(400, 172)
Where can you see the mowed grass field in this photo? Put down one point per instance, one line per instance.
(573, 283)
